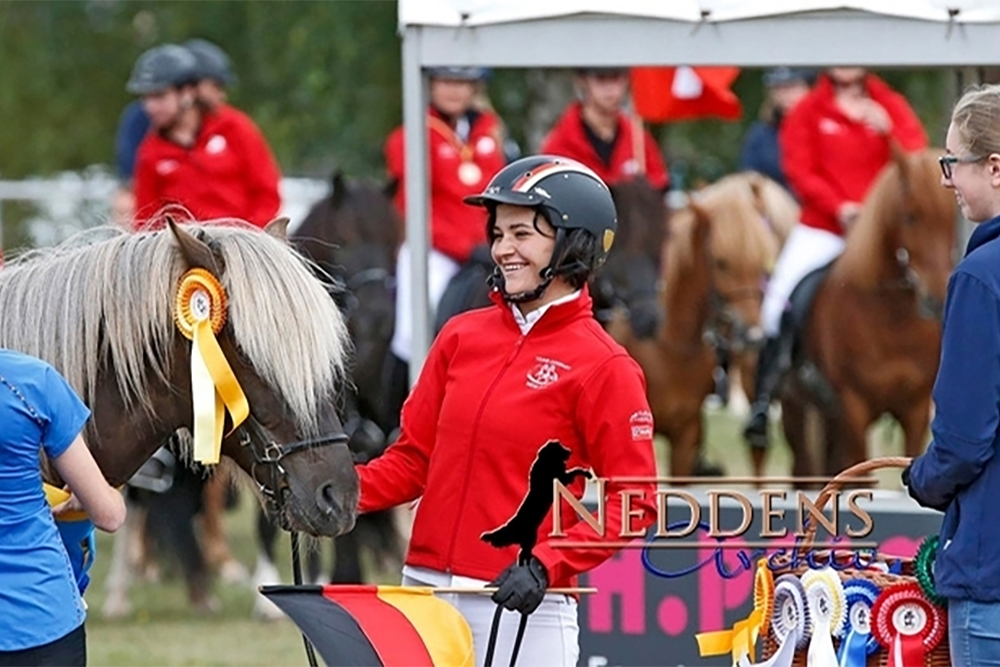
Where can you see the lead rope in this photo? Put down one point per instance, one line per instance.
(297, 579)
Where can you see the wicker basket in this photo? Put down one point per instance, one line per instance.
(939, 656)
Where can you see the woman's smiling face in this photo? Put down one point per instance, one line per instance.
(976, 184)
(522, 247)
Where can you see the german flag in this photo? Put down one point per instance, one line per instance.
(378, 626)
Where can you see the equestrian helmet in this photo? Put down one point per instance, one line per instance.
(570, 195)
(162, 67)
(459, 73)
(213, 63)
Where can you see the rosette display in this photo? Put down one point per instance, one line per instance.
(742, 639)
(200, 314)
(923, 566)
(857, 641)
(827, 610)
(790, 622)
(907, 624)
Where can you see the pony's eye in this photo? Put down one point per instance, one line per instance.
(721, 264)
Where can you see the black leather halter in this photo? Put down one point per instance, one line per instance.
(268, 453)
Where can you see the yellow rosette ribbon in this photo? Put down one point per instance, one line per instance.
(741, 640)
(200, 313)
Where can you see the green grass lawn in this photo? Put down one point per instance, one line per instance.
(162, 629)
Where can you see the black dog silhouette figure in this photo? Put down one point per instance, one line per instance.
(522, 528)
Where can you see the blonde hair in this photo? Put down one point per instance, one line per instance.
(976, 118)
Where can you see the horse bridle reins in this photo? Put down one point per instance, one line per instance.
(268, 453)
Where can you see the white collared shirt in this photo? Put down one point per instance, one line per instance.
(525, 322)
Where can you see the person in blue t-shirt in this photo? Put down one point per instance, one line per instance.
(41, 610)
(760, 153)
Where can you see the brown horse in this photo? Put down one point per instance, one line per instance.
(715, 263)
(100, 309)
(872, 341)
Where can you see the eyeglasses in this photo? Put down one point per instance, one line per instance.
(948, 162)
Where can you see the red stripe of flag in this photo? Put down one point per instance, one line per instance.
(392, 635)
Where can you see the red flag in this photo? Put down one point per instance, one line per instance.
(664, 94)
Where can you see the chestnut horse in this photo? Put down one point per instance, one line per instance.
(872, 340)
(100, 309)
(715, 263)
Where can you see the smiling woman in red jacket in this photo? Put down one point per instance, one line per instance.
(834, 144)
(500, 382)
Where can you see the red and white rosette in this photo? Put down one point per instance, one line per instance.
(828, 611)
(907, 624)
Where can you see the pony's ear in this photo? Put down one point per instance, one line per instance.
(338, 191)
(278, 228)
(702, 222)
(898, 156)
(195, 252)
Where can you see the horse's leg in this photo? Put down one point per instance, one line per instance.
(347, 555)
(793, 423)
(171, 521)
(265, 572)
(848, 444)
(217, 552)
(685, 445)
(915, 421)
(121, 570)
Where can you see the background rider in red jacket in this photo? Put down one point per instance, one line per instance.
(596, 132)
(834, 144)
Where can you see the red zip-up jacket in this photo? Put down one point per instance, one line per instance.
(830, 159)
(229, 172)
(486, 401)
(457, 169)
(568, 138)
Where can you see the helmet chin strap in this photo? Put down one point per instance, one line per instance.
(496, 281)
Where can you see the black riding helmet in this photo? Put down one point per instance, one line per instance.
(162, 67)
(213, 63)
(572, 198)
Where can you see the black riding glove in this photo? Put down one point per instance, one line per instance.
(521, 587)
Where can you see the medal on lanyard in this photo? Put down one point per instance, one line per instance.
(469, 172)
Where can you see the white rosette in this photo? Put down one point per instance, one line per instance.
(828, 612)
(790, 622)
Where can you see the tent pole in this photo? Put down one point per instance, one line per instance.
(414, 124)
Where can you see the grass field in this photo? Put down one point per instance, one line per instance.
(162, 630)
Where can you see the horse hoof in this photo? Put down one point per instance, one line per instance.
(703, 469)
(233, 572)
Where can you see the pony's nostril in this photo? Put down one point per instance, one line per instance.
(326, 498)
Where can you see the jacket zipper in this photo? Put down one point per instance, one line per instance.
(472, 444)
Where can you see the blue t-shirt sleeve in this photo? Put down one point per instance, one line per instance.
(67, 415)
(966, 395)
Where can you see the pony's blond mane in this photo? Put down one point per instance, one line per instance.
(105, 299)
(740, 233)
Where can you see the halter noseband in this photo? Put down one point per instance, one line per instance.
(269, 453)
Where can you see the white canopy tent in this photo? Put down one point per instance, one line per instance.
(748, 33)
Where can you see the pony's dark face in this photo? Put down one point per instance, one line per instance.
(314, 489)
(305, 472)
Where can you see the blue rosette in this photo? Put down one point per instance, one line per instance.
(857, 639)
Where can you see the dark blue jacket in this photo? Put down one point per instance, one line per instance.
(959, 473)
(761, 153)
(132, 128)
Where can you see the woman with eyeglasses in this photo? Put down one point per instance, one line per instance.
(834, 143)
(959, 474)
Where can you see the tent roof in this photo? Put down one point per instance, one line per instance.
(565, 33)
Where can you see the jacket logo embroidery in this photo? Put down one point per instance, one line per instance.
(641, 423)
(545, 372)
(829, 126)
(216, 145)
(164, 167)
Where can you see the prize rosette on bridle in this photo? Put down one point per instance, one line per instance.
(857, 641)
(200, 313)
(828, 611)
(907, 624)
(923, 569)
(741, 640)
